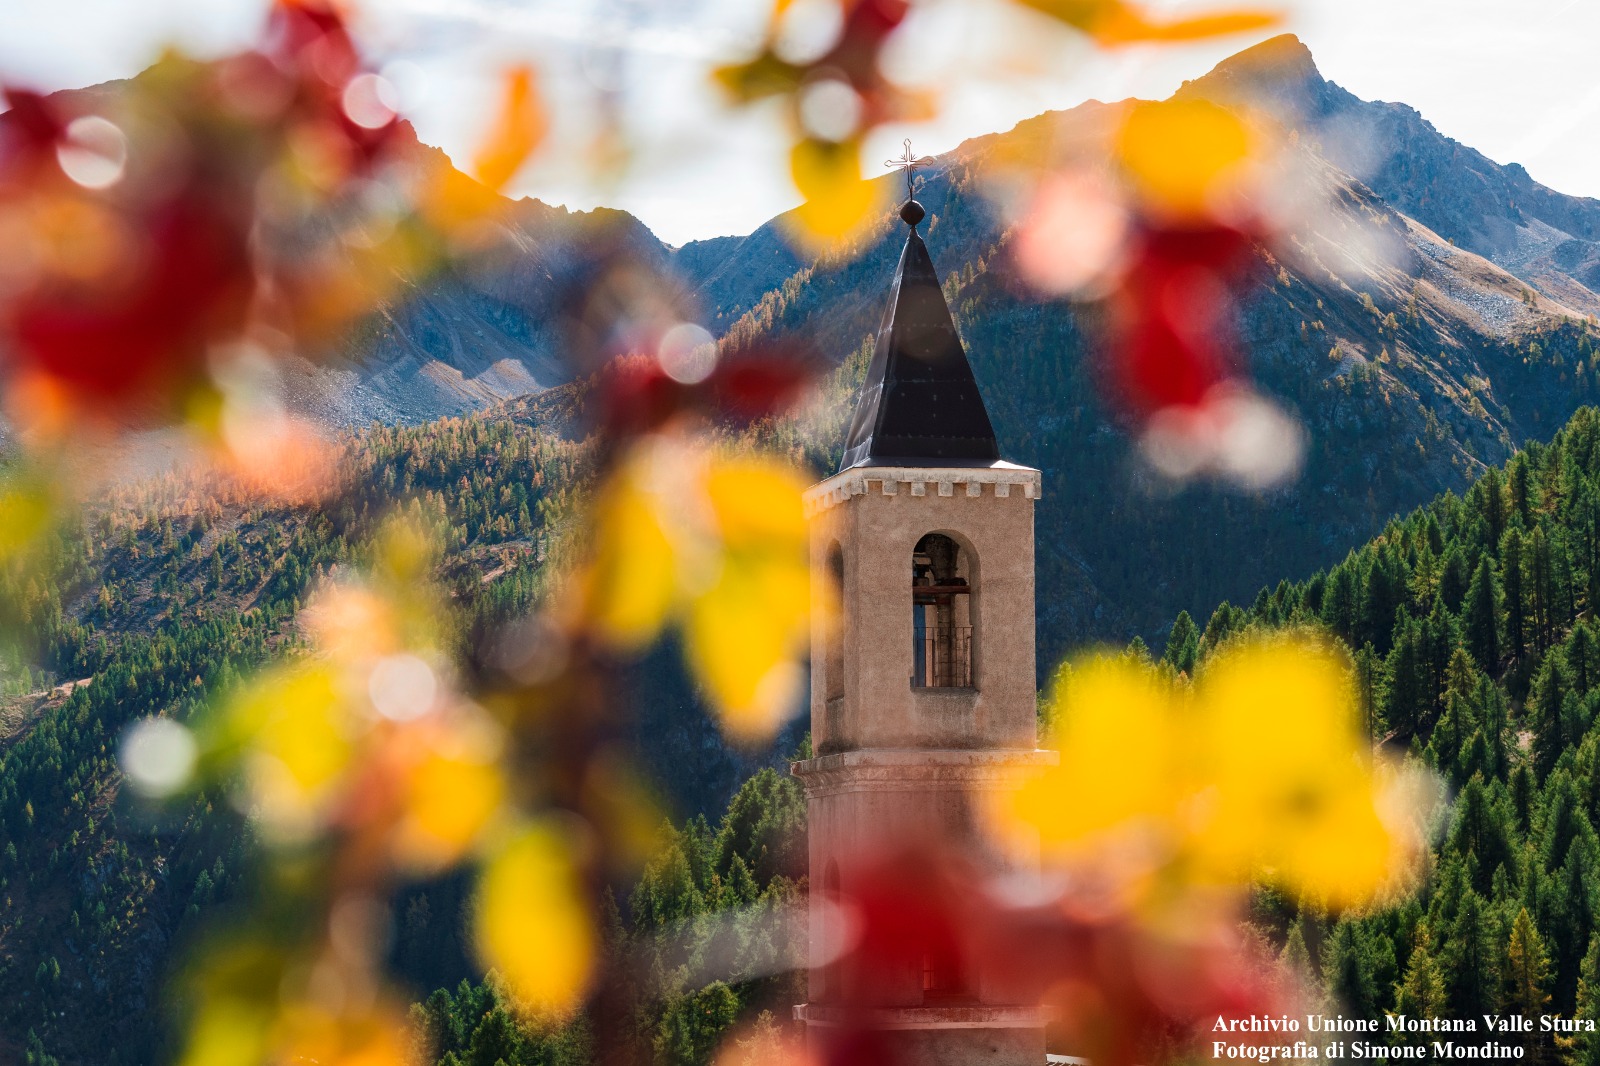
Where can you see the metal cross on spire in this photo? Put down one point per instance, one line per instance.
(910, 164)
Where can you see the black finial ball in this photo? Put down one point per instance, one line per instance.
(911, 213)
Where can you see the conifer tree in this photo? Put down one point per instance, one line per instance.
(1527, 982)
(1294, 959)
(1522, 797)
(1449, 736)
(1546, 704)
(1341, 601)
(1347, 972)
(1480, 620)
(1585, 1046)
(1461, 676)
(1476, 759)
(1541, 587)
(1224, 621)
(1454, 578)
(1370, 680)
(1479, 832)
(1519, 484)
(1494, 505)
(1408, 701)
(1590, 552)
(666, 894)
(692, 1024)
(1381, 596)
(1183, 644)
(1514, 592)
(1582, 655)
(1440, 636)
(1572, 919)
(1422, 994)
(1471, 961)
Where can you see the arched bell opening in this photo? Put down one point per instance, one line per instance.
(943, 583)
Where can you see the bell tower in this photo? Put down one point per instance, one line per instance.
(923, 689)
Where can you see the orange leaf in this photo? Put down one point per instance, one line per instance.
(1112, 22)
(1127, 25)
(517, 131)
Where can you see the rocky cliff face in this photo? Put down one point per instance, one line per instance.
(477, 332)
(1548, 239)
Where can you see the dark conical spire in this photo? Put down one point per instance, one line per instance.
(919, 405)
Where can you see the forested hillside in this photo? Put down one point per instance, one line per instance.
(1472, 624)
(157, 602)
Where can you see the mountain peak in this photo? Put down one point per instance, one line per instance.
(1278, 74)
(1282, 58)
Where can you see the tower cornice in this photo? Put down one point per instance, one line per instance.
(1003, 477)
(921, 770)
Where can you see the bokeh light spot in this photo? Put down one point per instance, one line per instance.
(158, 757)
(687, 353)
(370, 101)
(402, 687)
(94, 153)
(830, 109)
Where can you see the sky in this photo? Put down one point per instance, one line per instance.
(1515, 79)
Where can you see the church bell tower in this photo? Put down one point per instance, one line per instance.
(923, 689)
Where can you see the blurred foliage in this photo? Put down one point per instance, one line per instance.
(1223, 786)
(1474, 652)
(326, 709)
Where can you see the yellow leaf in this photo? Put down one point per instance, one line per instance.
(405, 551)
(531, 924)
(1280, 743)
(451, 799)
(235, 988)
(350, 622)
(1262, 771)
(1295, 794)
(294, 727)
(226, 1032)
(1344, 858)
(518, 129)
(746, 632)
(459, 206)
(1129, 25)
(839, 203)
(26, 512)
(1183, 156)
(758, 501)
(1121, 768)
(744, 637)
(632, 580)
